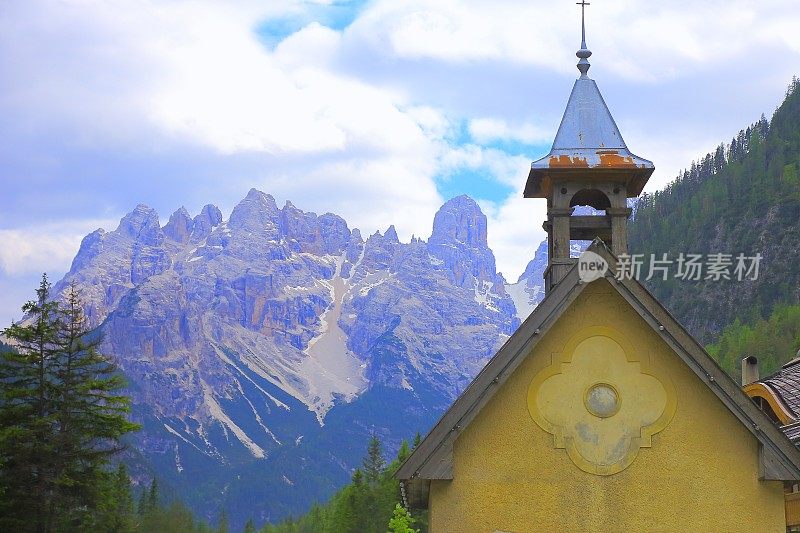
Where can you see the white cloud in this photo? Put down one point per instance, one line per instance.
(314, 45)
(459, 31)
(361, 121)
(433, 121)
(515, 231)
(45, 248)
(486, 130)
(188, 75)
(192, 72)
(223, 89)
(639, 40)
(503, 167)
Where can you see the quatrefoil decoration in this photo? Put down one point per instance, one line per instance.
(601, 401)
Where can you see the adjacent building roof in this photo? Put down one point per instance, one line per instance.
(433, 458)
(786, 384)
(781, 392)
(792, 431)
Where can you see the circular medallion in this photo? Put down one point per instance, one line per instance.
(602, 400)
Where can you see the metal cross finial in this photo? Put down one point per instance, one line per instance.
(583, 4)
(584, 53)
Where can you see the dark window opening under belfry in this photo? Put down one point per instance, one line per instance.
(591, 198)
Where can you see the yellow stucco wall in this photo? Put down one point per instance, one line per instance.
(700, 473)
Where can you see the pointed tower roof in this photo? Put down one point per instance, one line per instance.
(588, 138)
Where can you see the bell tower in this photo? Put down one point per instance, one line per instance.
(589, 164)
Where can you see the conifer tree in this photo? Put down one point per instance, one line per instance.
(315, 520)
(90, 412)
(141, 507)
(28, 416)
(401, 521)
(117, 514)
(354, 508)
(404, 452)
(153, 498)
(177, 517)
(374, 463)
(62, 417)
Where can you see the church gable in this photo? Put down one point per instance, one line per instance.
(546, 405)
(629, 311)
(673, 431)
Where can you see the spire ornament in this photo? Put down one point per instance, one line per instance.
(584, 53)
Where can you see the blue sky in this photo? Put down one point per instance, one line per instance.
(378, 111)
(336, 15)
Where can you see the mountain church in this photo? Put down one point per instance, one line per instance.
(601, 413)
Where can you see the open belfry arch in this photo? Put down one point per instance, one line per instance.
(601, 413)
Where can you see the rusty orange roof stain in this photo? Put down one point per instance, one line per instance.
(567, 161)
(607, 159)
(615, 160)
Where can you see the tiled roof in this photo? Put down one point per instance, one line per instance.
(792, 431)
(786, 384)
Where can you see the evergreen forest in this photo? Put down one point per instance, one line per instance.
(743, 198)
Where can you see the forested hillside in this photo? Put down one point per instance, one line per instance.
(369, 504)
(774, 340)
(742, 198)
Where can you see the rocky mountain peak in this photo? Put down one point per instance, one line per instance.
(391, 235)
(306, 232)
(535, 268)
(180, 225)
(90, 247)
(202, 224)
(460, 221)
(459, 241)
(142, 225)
(257, 212)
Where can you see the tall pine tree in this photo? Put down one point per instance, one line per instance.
(91, 414)
(62, 418)
(28, 412)
(374, 463)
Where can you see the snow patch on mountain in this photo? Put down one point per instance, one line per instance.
(332, 371)
(525, 297)
(218, 413)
